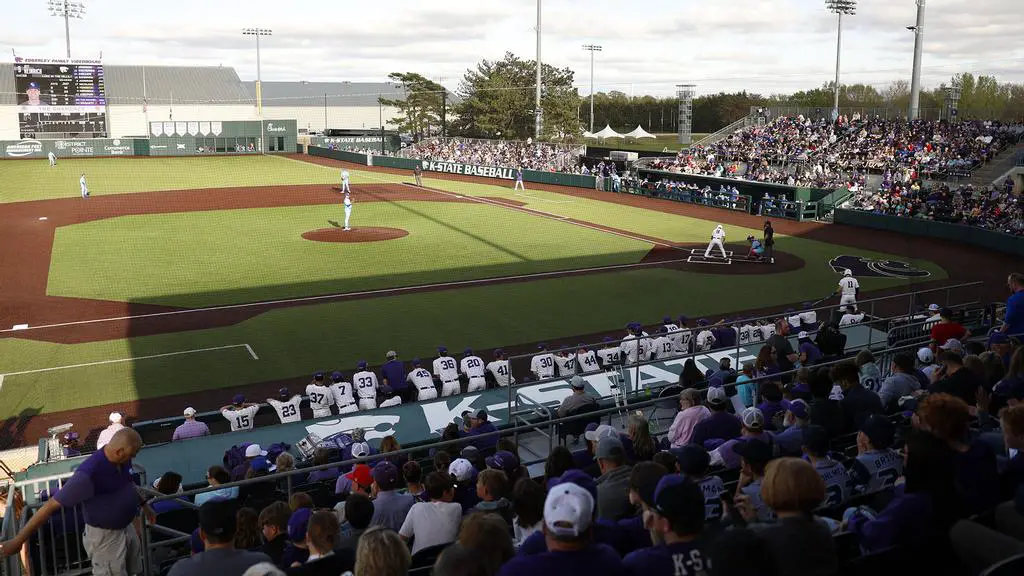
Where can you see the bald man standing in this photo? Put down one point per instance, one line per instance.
(103, 486)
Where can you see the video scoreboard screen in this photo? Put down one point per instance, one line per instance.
(60, 98)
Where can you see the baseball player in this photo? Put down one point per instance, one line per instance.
(685, 336)
(747, 332)
(609, 355)
(286, 406)
(717, 237)
(808, 318)
(342, 392)
(851, 317)
(767, 330)
(473, 367)
(705, 338)
(365, 382)
(85, 187)
(447, 372)
(543, 363)
(320, 396)
(565, 361)
(664, 348)
(586, 359)
(756, 248)
(52, 158)
(344, 181)
(240, 414)
(390, 398)
(848, 289)
(422, 381)
(499, 369)
(348, 210)
(630, 345)
(673, 330)
(519, 180)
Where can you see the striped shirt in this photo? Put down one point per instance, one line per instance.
(191, 429)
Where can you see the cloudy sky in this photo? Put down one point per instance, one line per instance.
(649, 46)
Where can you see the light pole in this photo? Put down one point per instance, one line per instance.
(538, 111)
(592, 48)
(257, 32)
(915, 77)
(839, 7)
(67, 10)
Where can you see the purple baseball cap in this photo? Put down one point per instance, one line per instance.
(238, 399)
(579, 478)
(361, 365)
(503, 460)
(298, 523)
(282, 393)
(416, 362)
(385, 474)
(467, 352)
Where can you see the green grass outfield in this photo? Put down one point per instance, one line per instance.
(200, 259)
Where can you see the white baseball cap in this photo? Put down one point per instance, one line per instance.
(360, 450)
(952, 344)
(254, 450)
(925, 355)
(803, 334)
(568, 510)
(602, 431)
(716, 394)
(753, 418)
(190, 411)
(461, 469)
(933, 307)
(115, 417)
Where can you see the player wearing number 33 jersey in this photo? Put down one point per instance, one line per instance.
(473, 367)
(366, 387)
(287, 407)
(320, 396)
(447, 372)
(421, 381)
(343, 396)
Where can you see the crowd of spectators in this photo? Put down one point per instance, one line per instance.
(527, 155)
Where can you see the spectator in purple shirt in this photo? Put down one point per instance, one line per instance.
(482, 426)
(720, 425)
(110, 501)
(808, 352)
(675, 518)
(190, 428)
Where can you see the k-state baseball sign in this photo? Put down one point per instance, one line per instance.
(469, 169)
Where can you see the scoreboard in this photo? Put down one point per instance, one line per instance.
(59, 98)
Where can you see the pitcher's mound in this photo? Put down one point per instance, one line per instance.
(360, 234)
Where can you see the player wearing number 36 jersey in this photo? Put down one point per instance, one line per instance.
(343, 396)
(240, 413)
(447, 372)
(421, 381)
(366, 387)
(320, 396)
(286, 406)
(473, 367)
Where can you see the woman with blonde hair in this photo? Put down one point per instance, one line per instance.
(381, 552)
(691, 413)
(390, 444)
(639, 430)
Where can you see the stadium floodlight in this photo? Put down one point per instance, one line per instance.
(915, 76)
(67, 10)
(839, 7)
(592, 48)
(257, 32)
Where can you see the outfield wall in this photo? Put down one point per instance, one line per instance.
(973, 235)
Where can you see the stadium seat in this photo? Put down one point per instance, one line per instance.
(322, 494)
(182, 520)
(1010, 567)
(577, 427)
(427, 556)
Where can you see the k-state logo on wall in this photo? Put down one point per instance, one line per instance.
(867, 267)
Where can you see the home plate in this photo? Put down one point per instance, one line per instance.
(43, 218)
(20, 327)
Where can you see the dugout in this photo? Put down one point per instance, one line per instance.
(193, 138)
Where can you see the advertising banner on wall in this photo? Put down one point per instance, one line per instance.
(469, 169)
(78, 148)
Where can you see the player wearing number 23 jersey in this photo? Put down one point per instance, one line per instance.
(343, 396)
(287, 407)
(877, 466)
(422, 381)
(320, 396)
(473, 367)
(366, 387)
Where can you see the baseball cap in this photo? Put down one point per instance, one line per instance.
(806, 305)
(236, 399)
(217, 517)
(667, 319)
(933, 307)
(683, 319)
(998, 338)
(946, 312)
(542, 346)
(297, 524)
(717, 395)
(754, 451)
(702, 322)
(442, 350)
(336, 376)
(360, 450)
(499, 352)
(692, 458)
(466, 415)
(361, 365)
(69, 436)
(602, 431)
(503, 460)
(590, 429)
(609, 448)
(481, 415)
(952, 344)
(416, 362)
(283, 392)
(577, 477)
(798, 407)
(33, 84)
(879, 430)
(815, 438)
(259, 465)
(470, 453)
(678, 499)
(467, 352)
(577, 382)
(361, 475)
(254, 450)
(925, 355)
(190, 411)
(568, 510)
(318, 376)
(752, 418)
(461, 469)
(802, 334)
(385, 474)
(115, 417)
(607, 339)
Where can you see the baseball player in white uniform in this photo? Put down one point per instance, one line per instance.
(748, 333)
(717, 237)
(422, 381)
(543, 363)
(610, 354)
(767, 330)
(348, 210)
(519, 180)
(286, 406)
(473, 367)
(499, 369)
(566, 363)
(705, 338)
(586, 360)
(52, 158)
(365, 382)
(685, 336)
(344, 181)
(240, 414)
(447, 372)
(672, 329)
(663, 346)
(630, 345)
(851, 317)
(320, 396)
(848, 289)
(85, 187)
(343, 396)
(809, 318)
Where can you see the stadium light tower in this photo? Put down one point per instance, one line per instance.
(67, 10)
(839, 7)
(915, 77)
(538, 111)
(592, 48)
(257, 32)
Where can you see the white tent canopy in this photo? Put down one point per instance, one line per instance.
(589, 134)
(640, 133)
(607, 133)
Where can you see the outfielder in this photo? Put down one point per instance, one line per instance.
(848, 289)
(85, 187)
(519, 180)
(320, 396)
(473, 367)
(52, 158)
(447, 372)
(286, 406)
(348, 209)
(344, 182)
(717, 237)
(422, 381)
(342, 392)
(366, 387)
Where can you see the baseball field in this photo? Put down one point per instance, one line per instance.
(182, 281)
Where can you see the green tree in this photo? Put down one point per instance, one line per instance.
(497, 99)
(420, 112)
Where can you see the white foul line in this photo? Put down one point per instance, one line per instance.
(246, 346)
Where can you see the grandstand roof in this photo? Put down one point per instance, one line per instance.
(312, 93)
(187, 84)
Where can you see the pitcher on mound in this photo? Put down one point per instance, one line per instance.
(716, 240)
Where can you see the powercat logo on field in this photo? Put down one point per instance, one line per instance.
(862, 267)
(26, 147)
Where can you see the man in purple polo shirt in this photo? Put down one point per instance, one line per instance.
(675, 518)
(190, 428)
(103, 486)
(393, 374)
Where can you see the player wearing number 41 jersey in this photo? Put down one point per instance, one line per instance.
(499, 369)
(240, 413)
(343, 396)
(473, 367)
(421, 381)
(286, 406)
(320, 396)
(447, 372)
(366, 387)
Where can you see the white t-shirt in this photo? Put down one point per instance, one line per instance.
(420, 379)
(342, 393)
(240, 418)
(432, 523)
(320, 397)
(446, 368)
(849, 286)
(543, 365)
(499, 369)
(366, 384)
(587, 362)
(288, 410)
(472, 366)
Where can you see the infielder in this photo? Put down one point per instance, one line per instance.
(286, 406)
(543, 363)
(519, 181)
(52, 158)
(447, 372)
(348, 209)
(320, 396)
(717, 237)
(848, 289)
(473, 367)
(85, 187)
(342, 392)
(366, 387)
(344, 182)
(422, 381)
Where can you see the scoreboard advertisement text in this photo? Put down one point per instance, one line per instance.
(59, 98)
